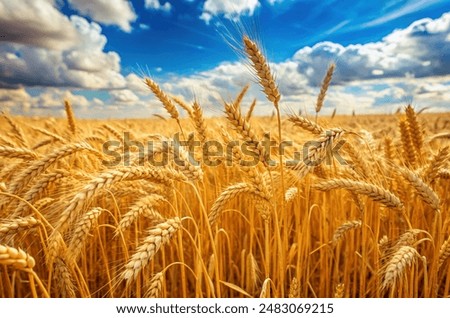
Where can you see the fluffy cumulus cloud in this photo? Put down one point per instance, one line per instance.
(37, 23)
(84, 65)
(109, 12)
(231, 9)
(156, 5)
(420, 50)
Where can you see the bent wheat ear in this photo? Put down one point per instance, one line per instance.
(16, 258)
(228, 194)
(81, 231)
(156, 237)
(155, 286)
(39, 166)
(423, 190)
(306, 124)
(395, 268)
(372, 191)
(344, 228)
(17, 153)
(14, 226)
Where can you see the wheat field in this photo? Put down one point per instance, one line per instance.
(230, 206)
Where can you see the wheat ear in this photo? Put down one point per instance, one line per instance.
(415, 129)
(409, 153)
(17, 153)
(143, 207)
(344, 228)
(294, 289)
(16, 258)
(70, 117)
(228, 194)
(444, 252)
(18, 133)
(80, 233)
(241, 125)
(39, 166)
(374, 192)
(155, 286)
(262, 69)
(306, 124)
(323, 90)
(423, 190)
(395, 268)
(317, 152)
(156, 237)
(14, 226)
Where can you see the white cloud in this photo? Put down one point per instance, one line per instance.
(14, 99)
(37, 23)
(156, 5)
(231, 9)
(86, 65)
(420, 50)
(109, 12)
(124, 96)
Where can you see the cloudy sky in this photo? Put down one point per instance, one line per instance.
(96, 52)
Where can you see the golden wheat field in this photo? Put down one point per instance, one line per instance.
(233, 206)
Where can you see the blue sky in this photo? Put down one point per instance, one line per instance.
(95, 53)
